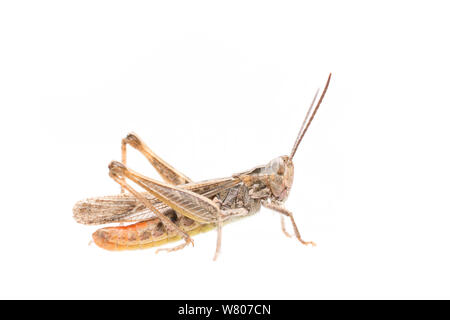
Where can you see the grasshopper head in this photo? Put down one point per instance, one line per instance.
(281, 172)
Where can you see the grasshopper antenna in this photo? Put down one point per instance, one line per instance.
(297, 141)
(304, 128)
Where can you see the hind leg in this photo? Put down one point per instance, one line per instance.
(165, 170)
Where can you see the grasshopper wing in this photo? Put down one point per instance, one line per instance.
(126, 208)
(117, 208)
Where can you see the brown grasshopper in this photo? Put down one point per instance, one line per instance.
(180, 208)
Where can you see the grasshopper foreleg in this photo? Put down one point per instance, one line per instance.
(279, 208)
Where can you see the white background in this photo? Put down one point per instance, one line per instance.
(216, 88)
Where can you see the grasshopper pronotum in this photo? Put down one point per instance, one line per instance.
(180, 208)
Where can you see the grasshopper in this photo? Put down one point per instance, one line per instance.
(179, 208)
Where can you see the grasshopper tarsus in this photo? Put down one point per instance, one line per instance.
(306, 243)
(176, 248)
(283, 228)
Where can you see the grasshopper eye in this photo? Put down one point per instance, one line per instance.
(277, 166)
(281, 169)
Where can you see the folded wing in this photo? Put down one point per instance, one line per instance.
(126, 208)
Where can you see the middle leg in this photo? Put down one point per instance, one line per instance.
(226, 214)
